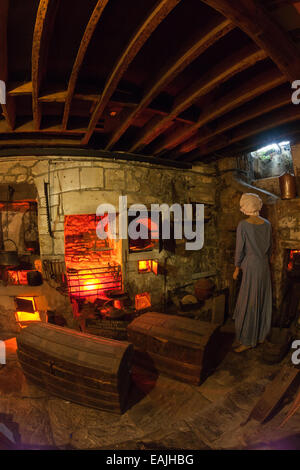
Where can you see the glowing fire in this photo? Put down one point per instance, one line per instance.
(142, 301)
(148, 266)
(18, 277)
(145, 266)
(93, 266)
(290, 264)
(93, 282)
(25, 318)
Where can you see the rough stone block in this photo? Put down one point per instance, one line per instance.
(59, 243)
(40, 168)
(39, 183)
(6, 166)
(69, 179)
(91, 178)
(202, 192)
(86, 202)
(134, 179)
(9, 178)
(114, 179)
(18, 170)
(46, 245)
(106, 164)
(226, 163)
(296, 158)
(43, 225)
(21, 178)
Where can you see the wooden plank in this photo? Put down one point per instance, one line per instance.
(221, 72)
(28, 127)
(287, 114)
(87, 36)
(294, 408)
(17, 89)
(287, 131)
(254, 20)
(157, 15)
(8, 109)
(41, 37)
(29, 142)
(203, 41)
(273, 393)
(247, 91)
(266, 104)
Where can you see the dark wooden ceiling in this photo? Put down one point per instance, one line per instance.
(178, 79)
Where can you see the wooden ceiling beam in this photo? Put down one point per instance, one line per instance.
(176, 65)
(285, 115)
(86, 39)
(41, 38)
(258, 85)
(157, 15)
(256, 22)
(221, 72)
(277, 134)
(40, 142)
(266, 104)
(8, 109)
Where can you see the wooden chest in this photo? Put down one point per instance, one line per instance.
(179, 347)
(78, 367)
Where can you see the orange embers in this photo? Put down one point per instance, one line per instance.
(291, 259)
(94, 282)
(145, 266)
(93, 265)
(24, 318)
(142, 301)
(17, 278)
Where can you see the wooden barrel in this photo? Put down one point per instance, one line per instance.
(179, 347)
(78, 367)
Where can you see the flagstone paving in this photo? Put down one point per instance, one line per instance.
(162, 414)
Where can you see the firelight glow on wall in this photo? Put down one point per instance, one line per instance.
(148, 266)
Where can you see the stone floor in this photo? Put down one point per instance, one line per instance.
(164, 414)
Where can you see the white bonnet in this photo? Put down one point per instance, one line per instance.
(250, 204)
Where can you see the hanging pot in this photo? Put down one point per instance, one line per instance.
(9, 258)
(287, 184)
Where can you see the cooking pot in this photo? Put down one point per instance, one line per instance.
(9, 258)
(34, 278)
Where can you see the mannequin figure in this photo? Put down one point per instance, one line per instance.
(253, 310)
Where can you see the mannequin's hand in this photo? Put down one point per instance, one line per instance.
(236, 273)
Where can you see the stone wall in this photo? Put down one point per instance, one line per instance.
(79, 185)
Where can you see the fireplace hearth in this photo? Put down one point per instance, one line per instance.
(291, 294)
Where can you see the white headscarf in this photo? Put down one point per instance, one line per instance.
(250, 204)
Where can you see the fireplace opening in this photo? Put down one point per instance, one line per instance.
(93, 265)
(27, 312)
(146, 227)
(293, 266)
(290, 309)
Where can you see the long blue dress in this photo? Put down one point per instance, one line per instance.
(253, 310)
